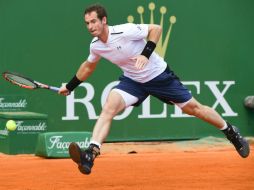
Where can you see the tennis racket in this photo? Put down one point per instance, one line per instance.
(25, 82)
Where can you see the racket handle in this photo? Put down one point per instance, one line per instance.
(54, 88)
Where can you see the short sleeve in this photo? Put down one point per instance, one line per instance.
(136, 31)
(93, 57)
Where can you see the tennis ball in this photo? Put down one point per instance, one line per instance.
(11, 125)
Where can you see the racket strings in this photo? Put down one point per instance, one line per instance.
(20, 81)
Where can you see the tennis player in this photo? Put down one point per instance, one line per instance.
(144, 73)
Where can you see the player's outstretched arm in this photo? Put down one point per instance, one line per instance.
(84, 71)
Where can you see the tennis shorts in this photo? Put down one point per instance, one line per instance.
(166, 87)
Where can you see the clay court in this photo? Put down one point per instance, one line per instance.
(136, 166)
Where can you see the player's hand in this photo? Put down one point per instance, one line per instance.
(141, 61)
(64, 91)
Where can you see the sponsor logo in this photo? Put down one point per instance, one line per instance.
(216, 88)
(21, 127)
(22, 103)
(4, 132)
(58, 142)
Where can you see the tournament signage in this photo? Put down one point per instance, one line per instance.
(30, 127)
(24, 138)
(12, 103)
(86, 101)
(55, 144)
(211, 54)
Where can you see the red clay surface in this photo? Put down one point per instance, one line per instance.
(160, 169)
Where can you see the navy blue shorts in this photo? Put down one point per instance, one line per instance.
(166, 87)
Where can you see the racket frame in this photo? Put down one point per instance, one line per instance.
(36, 83)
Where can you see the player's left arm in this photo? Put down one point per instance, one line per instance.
(154, 33)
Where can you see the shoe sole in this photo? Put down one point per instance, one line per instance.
(245, 150)
(75, 154)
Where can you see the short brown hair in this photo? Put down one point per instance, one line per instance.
(99, 9)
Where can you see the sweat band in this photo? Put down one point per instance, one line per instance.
(148, 50)
(74, 82)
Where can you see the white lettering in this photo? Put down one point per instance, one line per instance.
(70, 102)
(20, 104)
(42, 126)
(57, 142)
(146, 106)
(220, 96)
(4, 132)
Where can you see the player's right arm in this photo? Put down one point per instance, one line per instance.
(84, 71)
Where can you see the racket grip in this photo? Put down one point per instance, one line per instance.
(54, 88)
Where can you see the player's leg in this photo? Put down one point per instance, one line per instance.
(168, 88)
(84, 158)
(116, 102)
(193, 107)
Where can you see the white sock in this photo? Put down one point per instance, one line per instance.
(96, 143)
(225, 126)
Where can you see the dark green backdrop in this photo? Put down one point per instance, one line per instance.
(212, 40)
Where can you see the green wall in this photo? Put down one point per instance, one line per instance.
(210, 47)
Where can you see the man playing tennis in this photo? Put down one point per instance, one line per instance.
(144, 73)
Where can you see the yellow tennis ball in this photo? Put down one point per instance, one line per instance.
(11, 125)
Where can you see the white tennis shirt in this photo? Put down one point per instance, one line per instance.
(125, 42)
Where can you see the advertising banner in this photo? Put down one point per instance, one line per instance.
(208, 44)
